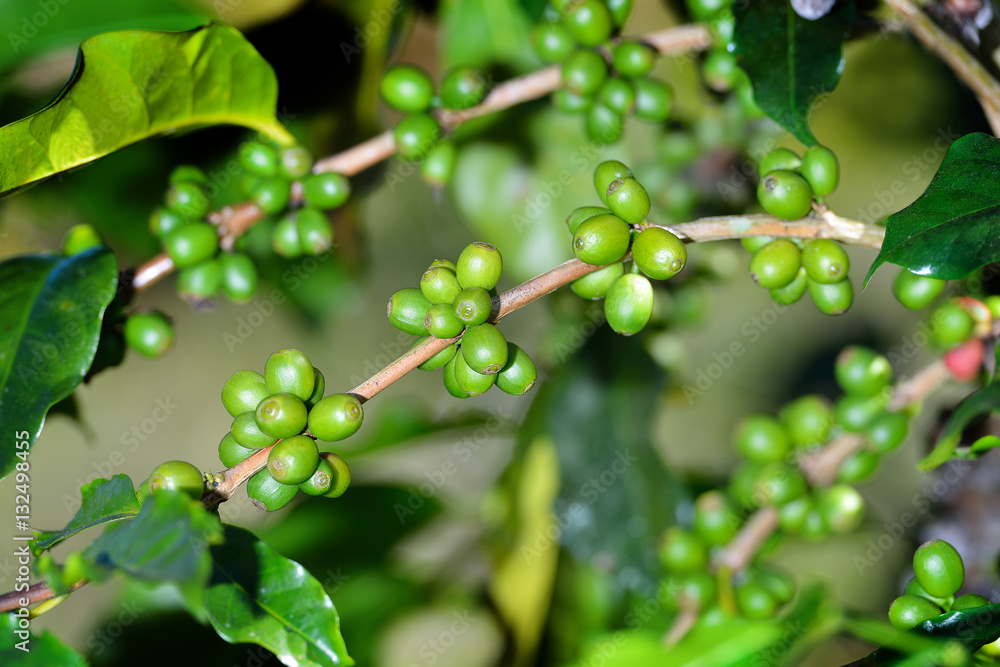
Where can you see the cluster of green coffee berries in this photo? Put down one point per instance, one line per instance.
(788, 268)
(602, 236)
(285, 409)
(789, 182)
(457, 299)
(409, 89)
(938, 575)
(604, 79)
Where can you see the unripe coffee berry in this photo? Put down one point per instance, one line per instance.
(449, 379)
(479, 265)
(519, 374)
(917, 292)
(604, 124)
(784, 194)
(969, 601)
(578, 215)
(327, 190)
(602, 239)
(909, 611)
(441, 321)
(682, 552)
(319, 388)
(629, 304)
(756, 602)
(607, 172)
(832, 298)
(628, 200)
(267, 493)
(187, 173)
(484, 348)
(653, 100)
(79, 238)
(553, 42)
(842, 507)
(232, 452)
(951, 325)
(239, 276)
(596, 285)
(634, 59)
(336, 417)
(659, 253)
(149, 334)
(471, 381)
(776, 264)
(887, 431)
(407, 309)
(793, 291)
(188, 200)
(341, 474)
(619, 10)
(715, 519)
(247, 433)
(258, 158)
(407, 88)
(177, 476)
(415, 135)
(779, 158)
(321, 480)
(825, 261)
(778, 483)
(863, 371)
(438, 360)
(584, 72)
(858, 468)
(243, 391)
(291, 372)
(617, 95)
(462, 87)
(285, 239)
(939, 568)
(761, 438)
(314, 231)
(294, 162)
(820, 169)
(293, 460)
(808, 420)
(163, 221)
(192, 244)
(589, 21)
(272, 195)
(473, 305)
(281, 416)
(439, 164)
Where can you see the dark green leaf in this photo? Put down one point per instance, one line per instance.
(981, 402)
(953, 228)
(256, 595)
(43, 650)
(50, 319)
(133, 85)
(167, 540)
(104, 501)
(791, 60)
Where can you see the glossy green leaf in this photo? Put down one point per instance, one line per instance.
(103, 501)
(42, 650)
(50, 320)
(256, 595)
(981, 402)
(133, 85)
(953, 228)
(167, 540)
(791, 60)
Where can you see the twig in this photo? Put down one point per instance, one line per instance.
(744, 546)
(38, 592)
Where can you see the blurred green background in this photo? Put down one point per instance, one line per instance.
(448, 570)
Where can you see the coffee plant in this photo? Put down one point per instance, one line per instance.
(639, 490)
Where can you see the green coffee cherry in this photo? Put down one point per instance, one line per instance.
(290, 372)
(583, 72)
(239, 276)
(939, 568)
(407, 88)
(832, 298)
(439, 164)
(721, 71)
(909, 611)
(761, 438)
(695, 590)
(293, 460)
(602, 239)
(779, 483)
(628, 200)
(443, 263)
(450, 381)
(617, 95)
(473, 305)
(863, 371)
(854, 412)
(285, 240)
(294, 162)
(776, 581)
(820, 169)
(484, 348)
(682, 552)
(842, 507)
(258, 158)
(779, 158)
(247, 433)
(232, 452)
(793, 291)
(462, 87)
(163, 221)
(314, 231)
(568, 102)
(658, 253)
(79, 238)
(267, 493)
(281, 416)
(341, 474)
(149, 334)
(917, 292)
(825, 261)
(634, 59)
(188, 200)
(327, 190)
(913, 587)
(439, 359)
(553, 42)
(595, 285)
(415, 135)
(951, 325)
(479, 265)
(319, 388)
(192, 244)
(578, 215)
(519, 374)
(604, 124)
(320, 482)
(201, 281)
(887, 431)
(969, 601)
(858, 468)
(607, 172)
(272, 195)
(776, 264)
(793, 516)
(715, 520)
(243, 391)
(653, 100)
(187, 173)
(177, 476)
(784, 194)
(471, 381)
(407, 309)
(815, 527)
(629, 304)
(620, 10)
(808, 420)
(441, 321)
(589, 21)
(756, 602)
(336, 417)
(754, 243)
